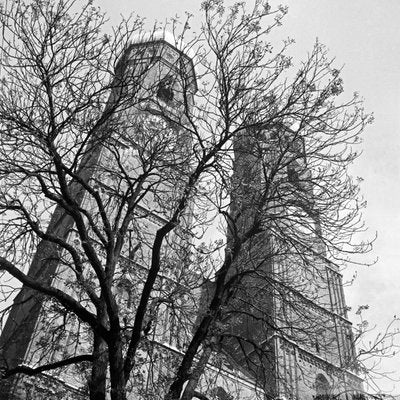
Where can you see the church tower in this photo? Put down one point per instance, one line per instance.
(153, 86)
(291, 328)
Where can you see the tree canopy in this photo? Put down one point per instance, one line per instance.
(122, 154)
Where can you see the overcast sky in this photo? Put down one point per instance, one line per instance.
(363, 36)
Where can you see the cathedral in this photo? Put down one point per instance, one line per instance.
(285, 333)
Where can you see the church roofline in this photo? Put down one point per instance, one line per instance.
(168, 38)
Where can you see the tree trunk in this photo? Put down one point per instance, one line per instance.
(98, 379)
(118, 382)
(189, 391)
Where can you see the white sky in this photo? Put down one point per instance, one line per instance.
(363, 35)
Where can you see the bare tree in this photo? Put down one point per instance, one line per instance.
(118, 154)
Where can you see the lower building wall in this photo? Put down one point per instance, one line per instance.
(305, 376)
(41, 387)
(150, 379)
(299, 376)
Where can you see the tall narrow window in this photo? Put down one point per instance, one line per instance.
(322, 386)
(165, 90)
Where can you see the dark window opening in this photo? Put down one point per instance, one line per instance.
(165, 90)
(322, 388)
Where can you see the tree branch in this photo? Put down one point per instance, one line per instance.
(65, 299)
(23, 369)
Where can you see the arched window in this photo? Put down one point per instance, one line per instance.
(165, 90)
(322, 387)
(221, 394)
